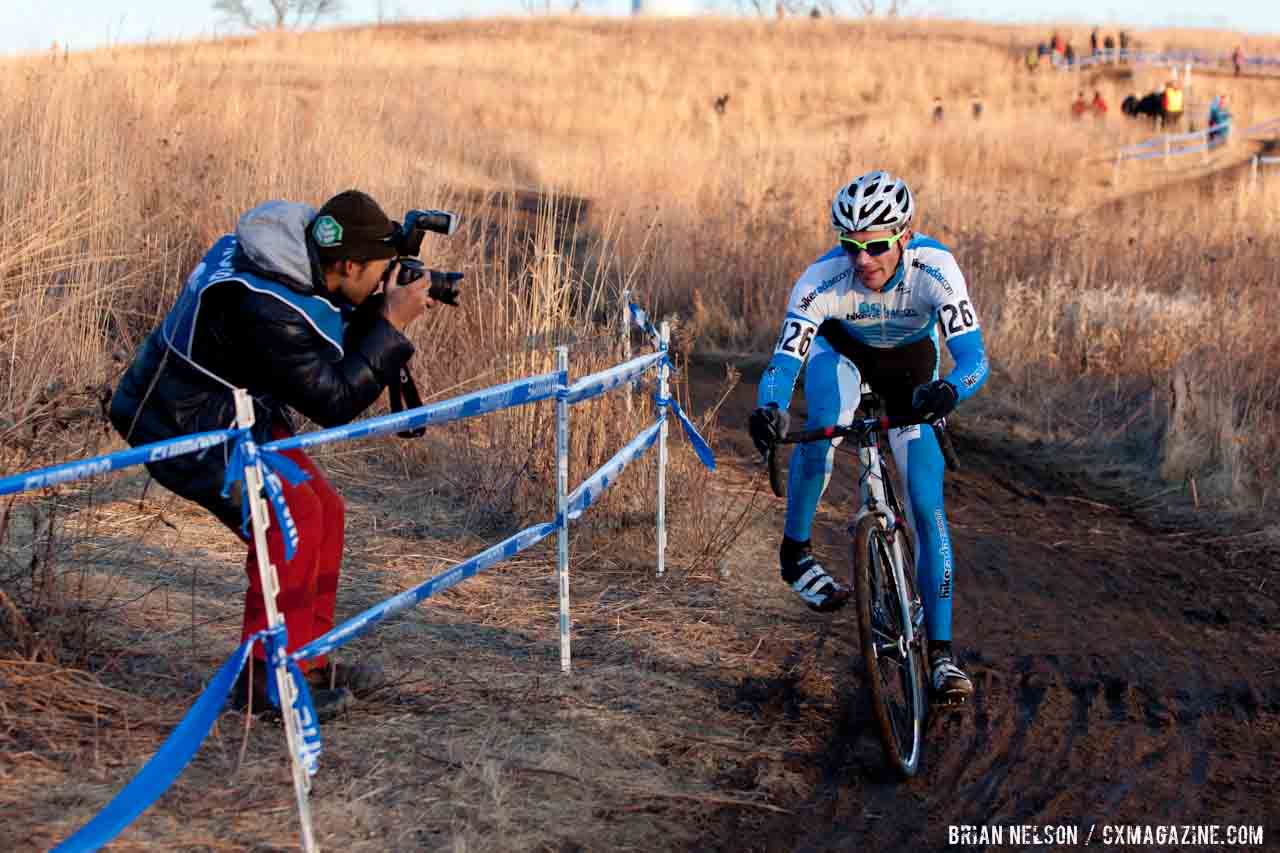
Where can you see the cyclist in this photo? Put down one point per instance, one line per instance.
(870, 310)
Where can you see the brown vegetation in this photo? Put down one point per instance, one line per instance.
(121, 166)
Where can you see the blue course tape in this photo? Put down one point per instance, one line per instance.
(158, 774)
(276, 641)
(506, 396)
(155, 452)
(594, 486)
(1153, 155)
(606, 380)
(1131, 152)
(1139, 146)
(358, 625)
(1197, 134)
(1266, 125)
(642, 320)
(699, 443)
(275, 466)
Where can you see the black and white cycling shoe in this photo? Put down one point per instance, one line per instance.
(950, 685)
(821, 592)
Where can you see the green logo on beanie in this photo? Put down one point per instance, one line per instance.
(327, 231)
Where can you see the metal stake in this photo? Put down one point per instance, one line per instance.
(562, 505)
(261, 520)
(664, 390)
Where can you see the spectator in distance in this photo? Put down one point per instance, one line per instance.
(1219, 121)
(1171, 102)
(1099, 105)
(1079, 106)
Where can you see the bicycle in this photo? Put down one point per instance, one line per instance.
(882, 574)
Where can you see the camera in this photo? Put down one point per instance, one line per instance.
(444, 285)
(408, 243)
(408, 237)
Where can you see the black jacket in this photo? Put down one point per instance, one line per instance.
(254, 341)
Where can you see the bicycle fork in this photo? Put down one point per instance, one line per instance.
(875, 502)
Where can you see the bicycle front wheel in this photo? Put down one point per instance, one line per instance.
(895, 666)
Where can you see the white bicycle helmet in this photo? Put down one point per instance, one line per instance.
(877, 201)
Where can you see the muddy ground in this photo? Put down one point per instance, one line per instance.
(1126, 672)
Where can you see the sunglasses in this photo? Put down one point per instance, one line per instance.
(874, 248)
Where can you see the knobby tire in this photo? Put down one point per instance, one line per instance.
(897, 683)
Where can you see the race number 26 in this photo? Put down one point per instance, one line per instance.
(796, 339)
(956, 319)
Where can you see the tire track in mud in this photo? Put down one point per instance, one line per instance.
(1103, 693)
(1120, 676)
(1046, 742)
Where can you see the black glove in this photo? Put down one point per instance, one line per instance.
(768, 424)
(934, 400)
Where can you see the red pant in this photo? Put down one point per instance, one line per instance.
(308, 582)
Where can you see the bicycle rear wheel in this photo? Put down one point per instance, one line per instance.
(895, 668)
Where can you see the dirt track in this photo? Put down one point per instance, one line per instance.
(1124, 675)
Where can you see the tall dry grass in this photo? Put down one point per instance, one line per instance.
(121, 166)
(107, 201)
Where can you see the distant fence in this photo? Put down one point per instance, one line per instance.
(1267, 128)
(259, 469)
(1256, 164)
(1171, 145)
(1186, 59)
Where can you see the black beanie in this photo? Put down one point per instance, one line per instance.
(351, 226)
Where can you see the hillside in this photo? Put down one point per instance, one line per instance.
(1121, 631)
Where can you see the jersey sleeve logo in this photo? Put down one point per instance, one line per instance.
(935, 274)
(805, 303)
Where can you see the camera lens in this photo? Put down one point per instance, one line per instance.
(410, 270)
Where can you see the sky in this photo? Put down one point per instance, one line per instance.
(33, 25)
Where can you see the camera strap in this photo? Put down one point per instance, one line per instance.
(404, 395)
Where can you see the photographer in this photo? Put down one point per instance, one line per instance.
(286, 308)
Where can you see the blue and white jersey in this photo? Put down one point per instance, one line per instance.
(926, 295)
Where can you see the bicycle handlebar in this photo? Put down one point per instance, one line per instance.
(859, 427)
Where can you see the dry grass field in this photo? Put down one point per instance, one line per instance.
(121, 166)
(585, 157)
